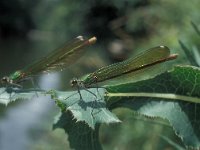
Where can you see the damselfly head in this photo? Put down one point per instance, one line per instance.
(5, 80)
(77, 83)
(74, 82)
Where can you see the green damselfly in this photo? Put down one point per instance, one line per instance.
(146, 59)
(55, 61)
(129, 67)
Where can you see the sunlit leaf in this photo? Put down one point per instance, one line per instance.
(89, 107)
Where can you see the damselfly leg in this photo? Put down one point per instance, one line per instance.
(36, 87)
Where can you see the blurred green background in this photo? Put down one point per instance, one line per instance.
(31, 29)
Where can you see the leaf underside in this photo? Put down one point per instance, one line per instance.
(8, 95)
(182, 115)
(80, 135)
(81, 117)
(89, 107)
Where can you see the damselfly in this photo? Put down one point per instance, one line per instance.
(57, 60)
(144, 60)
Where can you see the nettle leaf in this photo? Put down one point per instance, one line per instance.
(8, 95)
(80, 135)
(88, 106)
(174, 95)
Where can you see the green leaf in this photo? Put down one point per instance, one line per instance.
(188, 54)
(88, 106)
(8, 95)
(178, 147)
(174, 95)
(80, 135)
(195, 28)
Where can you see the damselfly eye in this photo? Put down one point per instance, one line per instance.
(95, 77)
(73, 82)
(4, 79)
